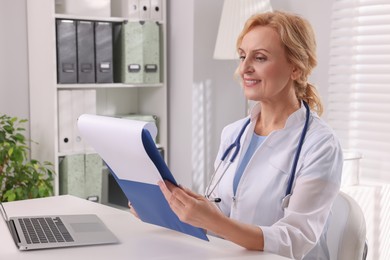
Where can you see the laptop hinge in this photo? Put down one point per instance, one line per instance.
(14, 232)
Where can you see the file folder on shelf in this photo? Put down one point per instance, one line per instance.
(134, 9)
(128, 53)
(156, 10)
(77, 109)
(103, 52)
(65, 121)
(127, 148)
(72, 104)
(144, 14)
(81, 175)
(85, 52)
(137, 52)
(72, 175)
(66, 51)
(151, 52)
(93, 176)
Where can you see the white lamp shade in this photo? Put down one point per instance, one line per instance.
(234, 15)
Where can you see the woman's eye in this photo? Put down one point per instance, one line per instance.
(242, 58)
(261, 58)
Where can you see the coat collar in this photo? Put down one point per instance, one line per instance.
(295, 118)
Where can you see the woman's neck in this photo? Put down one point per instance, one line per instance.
(273, 115)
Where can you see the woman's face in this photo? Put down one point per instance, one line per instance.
(266, 74)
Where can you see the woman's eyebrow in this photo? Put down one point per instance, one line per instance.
(256, 50)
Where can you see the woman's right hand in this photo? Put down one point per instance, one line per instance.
(132, 210)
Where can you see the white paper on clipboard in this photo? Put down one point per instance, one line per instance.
(118, 141)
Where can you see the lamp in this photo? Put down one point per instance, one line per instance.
(234, 15)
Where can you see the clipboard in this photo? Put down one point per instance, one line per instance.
(128, 149)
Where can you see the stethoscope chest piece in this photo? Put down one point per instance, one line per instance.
(286, 201)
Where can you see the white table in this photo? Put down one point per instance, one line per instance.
(138, 240)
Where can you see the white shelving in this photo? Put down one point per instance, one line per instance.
(107, 86)
(111, 98)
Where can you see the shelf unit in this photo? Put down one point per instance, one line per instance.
(111, 98)
(106, 85)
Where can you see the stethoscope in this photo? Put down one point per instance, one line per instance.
(236, 146)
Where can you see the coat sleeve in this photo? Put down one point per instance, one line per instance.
(316, 186)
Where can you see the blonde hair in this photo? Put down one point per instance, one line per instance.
(298, 38)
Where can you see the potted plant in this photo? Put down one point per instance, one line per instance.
(20, 177)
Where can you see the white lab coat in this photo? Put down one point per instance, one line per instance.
(298, 229)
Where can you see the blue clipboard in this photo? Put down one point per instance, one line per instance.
(148, 200)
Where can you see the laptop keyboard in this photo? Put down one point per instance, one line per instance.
(44, 230)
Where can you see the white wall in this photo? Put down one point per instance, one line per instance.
(226, 101)
(192, 27)
(13, 59)
(180, 75)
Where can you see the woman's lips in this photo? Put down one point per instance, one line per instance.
(251, 82)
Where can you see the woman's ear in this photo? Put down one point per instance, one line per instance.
(296, 73)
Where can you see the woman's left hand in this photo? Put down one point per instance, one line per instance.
(190, 207)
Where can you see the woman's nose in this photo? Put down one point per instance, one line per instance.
(246, 66)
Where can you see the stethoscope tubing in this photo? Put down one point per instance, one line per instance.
(237, 145)
(298, 151)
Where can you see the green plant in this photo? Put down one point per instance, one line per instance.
(20, 177)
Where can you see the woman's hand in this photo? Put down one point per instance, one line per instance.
(198, 211)
(190, 207)
(132, 210)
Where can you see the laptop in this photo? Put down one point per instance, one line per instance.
(42, 232)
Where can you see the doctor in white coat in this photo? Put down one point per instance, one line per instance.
(246, 202)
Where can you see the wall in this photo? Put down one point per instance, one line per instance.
(13, 59)
(180, 75)
(192, 27)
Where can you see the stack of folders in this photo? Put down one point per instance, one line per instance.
(138, 10)
(72, 104)
(137, 52)
(81, 175)
(105, 52)
(84, 51)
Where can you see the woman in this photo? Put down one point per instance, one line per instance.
(277, 54)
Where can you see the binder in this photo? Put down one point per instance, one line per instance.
(128, 9)
(103, 52)
(66, 51)
(72, 175)
(72, 104)
(134, 10)
(156, 13)
(85, 52)
(93, 175)
(65, 132)
(128, 149)
(77, 109)
(144, 13)
(151, 52)
(118, 55)
(137, 52)
(130, 56)
(81, 175)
